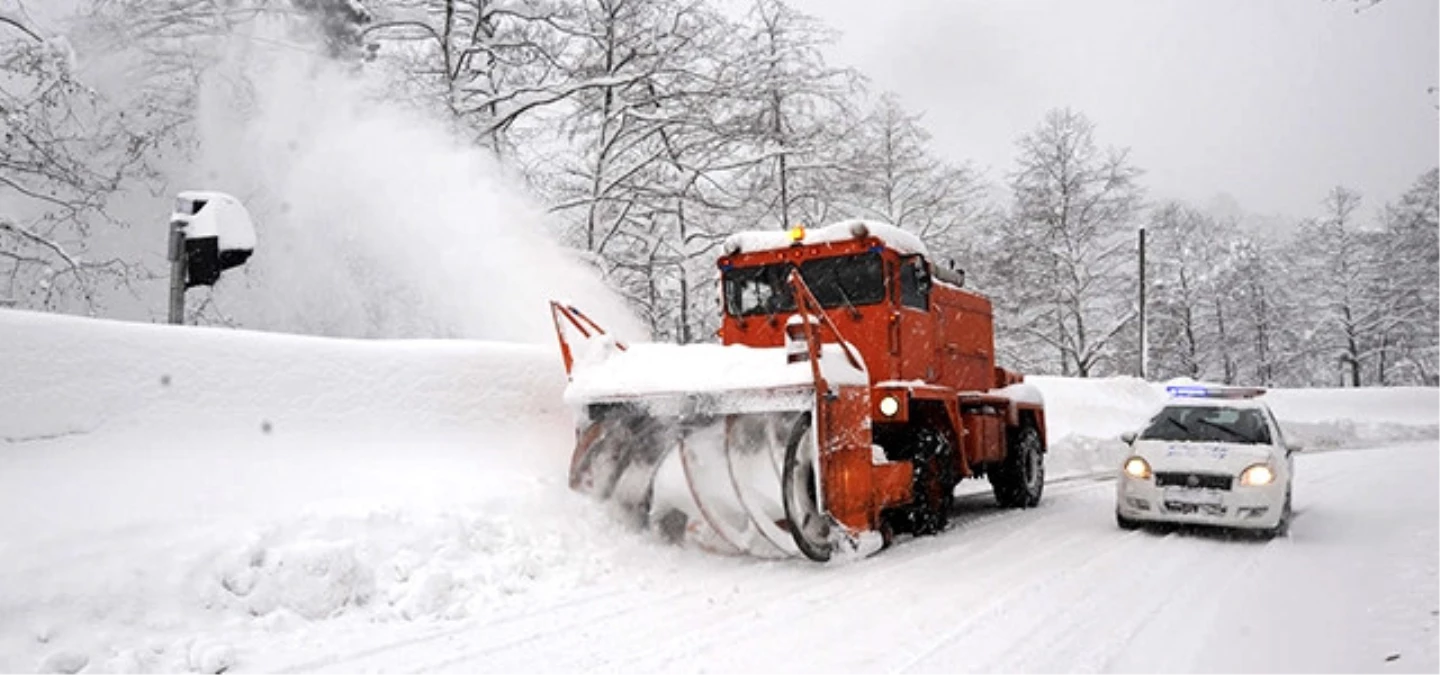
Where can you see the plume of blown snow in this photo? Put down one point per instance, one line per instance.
(375, 220)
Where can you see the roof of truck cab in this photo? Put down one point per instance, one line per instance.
(893, 237)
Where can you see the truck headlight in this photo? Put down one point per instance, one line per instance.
(1137, 467)
(1259, 474)
(889, 406)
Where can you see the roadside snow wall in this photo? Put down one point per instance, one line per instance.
(1087, 416)
(64, 375)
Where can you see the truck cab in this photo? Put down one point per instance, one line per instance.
(928, 346)
(910, 319)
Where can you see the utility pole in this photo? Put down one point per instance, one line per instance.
(1144, 334)
(177, 271)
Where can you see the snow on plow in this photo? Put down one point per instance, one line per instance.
(854, 385)
(746, 423)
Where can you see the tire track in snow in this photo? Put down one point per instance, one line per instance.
(1082, 637)
(1003, 605)
(686, 623)
(874, 588)
(516, 626)
(353, 658)
(680, 614)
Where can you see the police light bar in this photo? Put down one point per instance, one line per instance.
(1209, 391)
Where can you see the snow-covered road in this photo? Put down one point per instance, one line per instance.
(1054, 589)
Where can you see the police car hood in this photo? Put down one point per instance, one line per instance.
(1201, 457)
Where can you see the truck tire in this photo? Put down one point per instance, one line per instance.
(809, 526)
(1019, 480)
(933, 487)
(934, 484)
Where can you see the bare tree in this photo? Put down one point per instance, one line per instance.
(66, 151)
(893, 176)
(801, 109)
(1339, 274)
(1062, 266)
(1411, 285)
(488, 64)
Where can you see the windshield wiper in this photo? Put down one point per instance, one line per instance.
(1224, 428)
(845, 297)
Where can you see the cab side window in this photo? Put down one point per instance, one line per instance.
(914, 283)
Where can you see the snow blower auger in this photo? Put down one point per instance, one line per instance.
(853, 387)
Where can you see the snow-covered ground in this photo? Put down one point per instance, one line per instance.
(178, 499)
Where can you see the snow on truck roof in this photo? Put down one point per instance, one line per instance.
(769, 240)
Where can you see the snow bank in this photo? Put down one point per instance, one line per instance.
(158, 483)
(1323, 419)
(1087, 416)
(66, 375)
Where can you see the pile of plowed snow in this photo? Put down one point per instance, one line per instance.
(161, 486)
(157, 482)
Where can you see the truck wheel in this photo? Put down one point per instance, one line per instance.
(799, 484)
(931, 454)
(934, 482)
(1019, 481)
(1127, 523)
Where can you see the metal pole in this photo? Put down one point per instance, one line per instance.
(1144, 336)
(177, 272)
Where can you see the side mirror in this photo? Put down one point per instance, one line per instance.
(1128, 437)
(1292, 448)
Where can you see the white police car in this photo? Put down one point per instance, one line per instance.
(1211, 456)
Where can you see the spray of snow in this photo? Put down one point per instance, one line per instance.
(375, 220)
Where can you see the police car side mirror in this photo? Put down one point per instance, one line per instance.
(1128, 437)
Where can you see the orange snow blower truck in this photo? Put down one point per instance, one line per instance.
(854, 386)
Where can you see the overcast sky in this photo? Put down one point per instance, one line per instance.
(1269, 101)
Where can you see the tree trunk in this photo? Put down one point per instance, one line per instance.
(1227, 360)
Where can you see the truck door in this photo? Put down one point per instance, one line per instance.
(914, 341)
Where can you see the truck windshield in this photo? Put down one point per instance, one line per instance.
(1208, 424)
(854, 280)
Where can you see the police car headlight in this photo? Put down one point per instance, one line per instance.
(1137, 467)
(1259, 474)
(889, 406)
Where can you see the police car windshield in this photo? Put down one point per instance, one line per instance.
(1210, 424)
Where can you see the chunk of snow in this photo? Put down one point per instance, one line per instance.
(206, 656)
(65, 661)
(313, 579)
